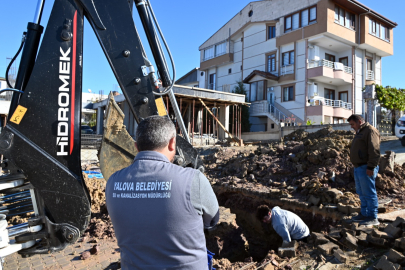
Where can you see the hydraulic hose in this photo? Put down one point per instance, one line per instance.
(13, 59)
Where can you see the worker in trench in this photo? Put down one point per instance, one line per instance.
(365, 156)
(286, 224)
(159, 210)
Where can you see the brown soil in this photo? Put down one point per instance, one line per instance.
(100, 224)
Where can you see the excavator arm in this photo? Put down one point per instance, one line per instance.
(41, 143)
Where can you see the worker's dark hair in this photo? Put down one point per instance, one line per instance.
(154, 132)
(356, 118)
(262, 211)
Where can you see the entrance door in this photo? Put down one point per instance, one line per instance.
(270, 99)
(329, 57)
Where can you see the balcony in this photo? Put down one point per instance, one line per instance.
(288, 69)
(328, 107)
(370, 75)
(330, 72)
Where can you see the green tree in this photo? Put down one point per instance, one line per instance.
(240, 89)
(392, 99)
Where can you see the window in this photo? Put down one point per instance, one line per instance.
(288, 93)
(209, 53)
(369, 64)
(344, 96)
(330, 94)
(257, 91)
(344, 17)
(271, 62)
(304, 18)
(229, 71)
(378, 30)
(329, 57)
(312, 15)
(212, 81)
(288, 58)
(300, 19)
(344, 61)
(271, 32)
(220, 49)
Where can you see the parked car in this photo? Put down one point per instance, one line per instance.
(87, 130)
(400, 130)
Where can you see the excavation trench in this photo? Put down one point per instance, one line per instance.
(252, 238)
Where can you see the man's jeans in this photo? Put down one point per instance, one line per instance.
(365, 187)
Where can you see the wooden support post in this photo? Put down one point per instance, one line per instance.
(240, 122)
(233, 120)
(222, 126)
(181, 100)
(201, 126)
(192, 138)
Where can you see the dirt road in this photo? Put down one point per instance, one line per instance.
(396, 147)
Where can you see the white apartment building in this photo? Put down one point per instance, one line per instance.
(310, 59)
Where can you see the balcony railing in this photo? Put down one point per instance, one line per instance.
(370, 75)
(332, 103)
(266, 107)
(289, 69)
(329, 64)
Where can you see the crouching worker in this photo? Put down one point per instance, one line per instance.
(159, 209)
(287, 224)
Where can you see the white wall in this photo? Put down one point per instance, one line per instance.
(262, 11)
(359, 84)
(377, 70)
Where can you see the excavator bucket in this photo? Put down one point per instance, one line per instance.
(117, 147)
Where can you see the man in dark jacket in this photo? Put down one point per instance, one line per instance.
(365, 156)
(158, 209)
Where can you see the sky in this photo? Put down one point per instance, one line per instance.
(186, 24)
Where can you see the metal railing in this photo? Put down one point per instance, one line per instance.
(329, 64)
(91, 141)
(276, 113)
(370, 75)
(288, 69)
(333, 103)
(266, 107)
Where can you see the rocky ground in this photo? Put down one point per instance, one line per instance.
(309, 174)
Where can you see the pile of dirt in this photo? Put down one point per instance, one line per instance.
(100, 224)
(303, 165)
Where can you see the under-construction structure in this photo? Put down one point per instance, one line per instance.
(208, 115)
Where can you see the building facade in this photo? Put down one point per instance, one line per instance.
(300, 60)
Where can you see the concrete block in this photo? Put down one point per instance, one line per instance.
(385, 264)
(380, 234)
(395, 256)
(379, 242)
(366, 230)
(327, 249)
(314, 200)
(319, 238)
(335, 233)
(286, 252)
(362, 239)
(292, 244)
(395, 232)
(340, 255)
(348, 231)
(350, 241)
(400, 243)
